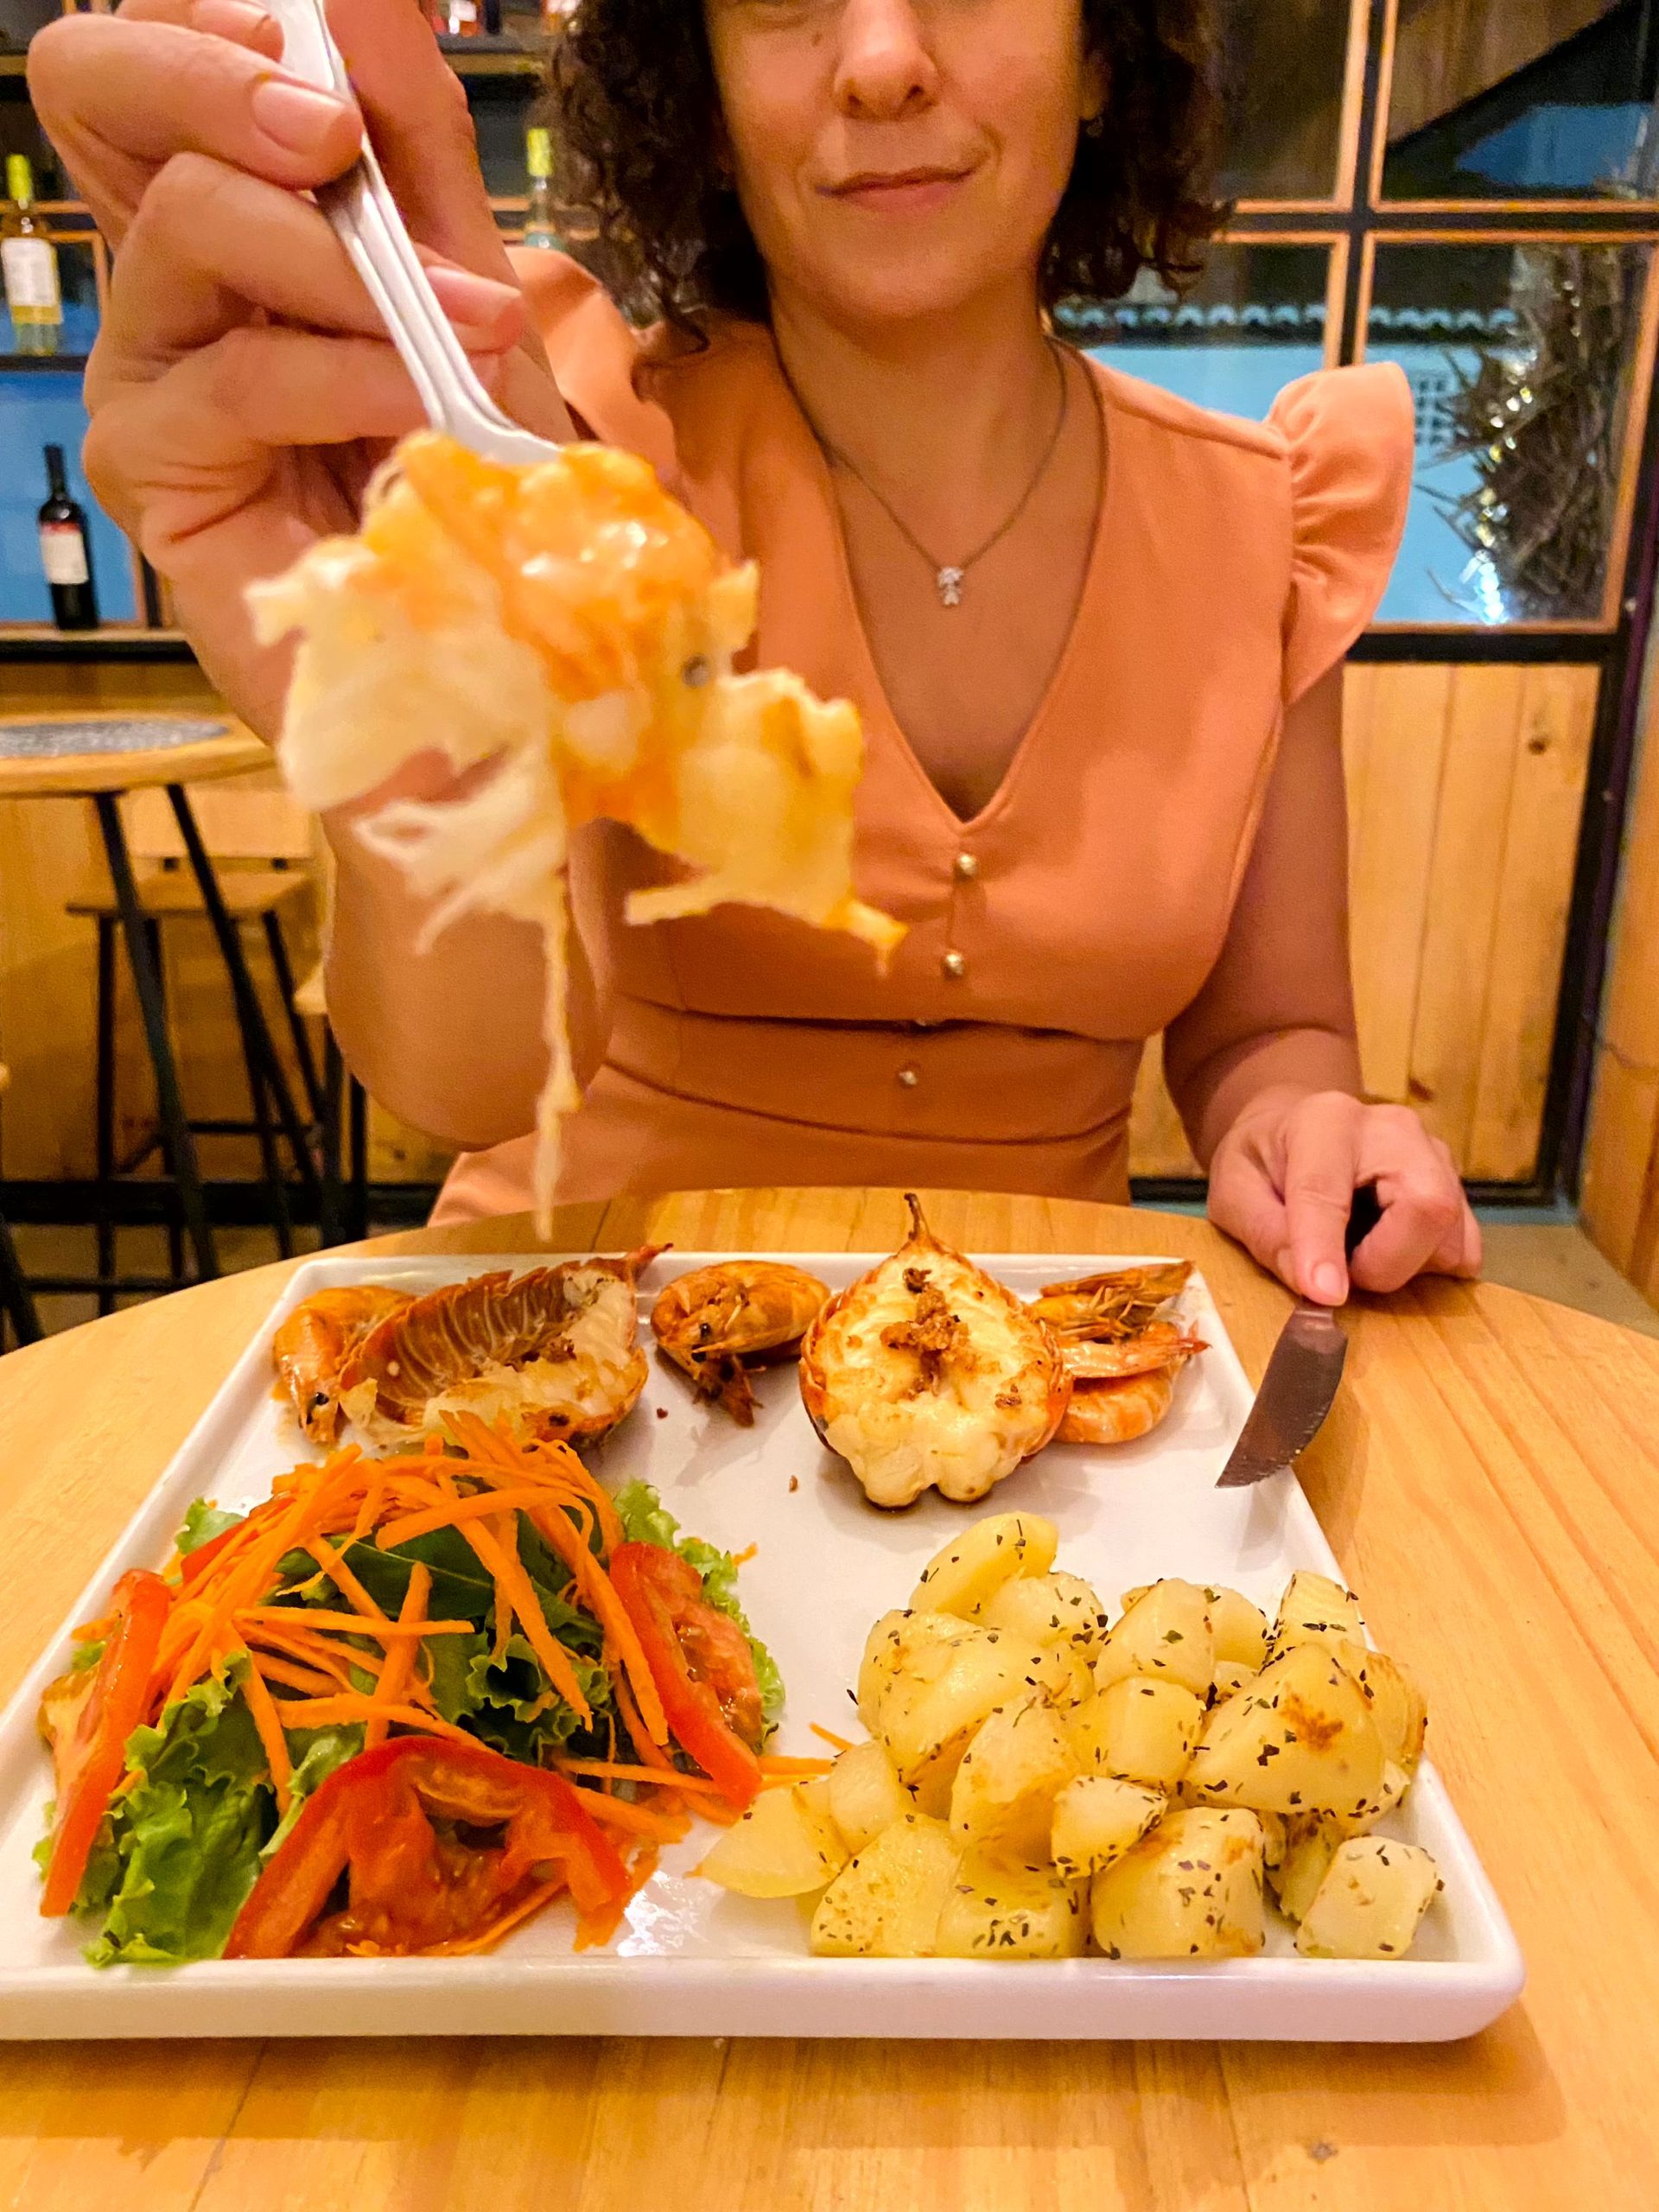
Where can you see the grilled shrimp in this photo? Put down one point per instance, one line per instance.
(312, 1346)
(713, 1320)
(556, 1352)
(1123, 1359)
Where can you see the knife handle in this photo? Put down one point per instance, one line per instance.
(1366, 1213)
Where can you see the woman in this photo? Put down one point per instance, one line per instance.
(1096, 635)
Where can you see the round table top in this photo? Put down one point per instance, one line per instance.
(1490, 1479)
(74, 756)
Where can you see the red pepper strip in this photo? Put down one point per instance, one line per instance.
(410, 1890)
(93, 1757)
(663, 1598)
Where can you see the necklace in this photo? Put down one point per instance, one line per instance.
(950, 576)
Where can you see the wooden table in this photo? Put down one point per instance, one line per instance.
(1491, 1481)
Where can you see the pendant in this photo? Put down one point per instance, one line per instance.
(950, 582)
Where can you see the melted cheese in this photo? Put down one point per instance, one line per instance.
(572, 624)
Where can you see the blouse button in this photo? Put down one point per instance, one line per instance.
(967, 867)
(955, 966)
(910, 1076)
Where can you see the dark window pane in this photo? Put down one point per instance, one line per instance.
(1286, 64)
(501, 109)
(1520, 360)
(1253, 322)
(1497, 101)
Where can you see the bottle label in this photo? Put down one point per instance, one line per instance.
(63, 553)
(30, 267)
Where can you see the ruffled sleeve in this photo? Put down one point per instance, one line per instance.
(598, 360)
(1351, 441)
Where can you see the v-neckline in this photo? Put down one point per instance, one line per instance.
(875, 689)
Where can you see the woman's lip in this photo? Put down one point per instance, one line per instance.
(907, 189)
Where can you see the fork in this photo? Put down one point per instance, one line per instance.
(366, 218)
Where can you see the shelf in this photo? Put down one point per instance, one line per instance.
(36, 642)
(32, 362)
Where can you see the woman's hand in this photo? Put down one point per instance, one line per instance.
(1283, 1179)
(241, 389)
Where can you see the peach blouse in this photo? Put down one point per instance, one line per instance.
(1090, 905)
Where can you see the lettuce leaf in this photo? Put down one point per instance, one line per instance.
(180, 1850)
(202, 1523)
(646, 1520)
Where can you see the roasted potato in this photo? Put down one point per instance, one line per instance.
(1371, 1901)
(1002, 1799)
(1399, 1710)
(1138, 1730)
(1240, 1628)
(972, 1567)
(885, 1905)
(1301, 1740)
(1050, 1609)
(1190, 1889)
(1230, 1677)
(1098, 1818)
(995, 1909)
(865, 1794)
(926, 1726)
(785, 1846)
(1315, 1610)
(904, 1648)
(1167, 1635)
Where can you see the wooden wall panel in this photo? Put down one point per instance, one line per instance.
(1621, 1179)
(1452, 51)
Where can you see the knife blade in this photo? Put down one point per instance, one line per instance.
(1302, 1379)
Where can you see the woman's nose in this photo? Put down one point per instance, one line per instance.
(886, 66)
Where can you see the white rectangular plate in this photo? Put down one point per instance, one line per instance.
(691, 1959)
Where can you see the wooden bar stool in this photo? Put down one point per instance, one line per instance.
(17, 1303)
(101, 759)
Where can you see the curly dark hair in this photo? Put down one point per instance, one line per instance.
(635, 120)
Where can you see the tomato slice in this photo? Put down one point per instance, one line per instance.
(89, 1747)
(411, 1887)
(700, 1662)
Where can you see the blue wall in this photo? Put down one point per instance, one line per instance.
(40, 407)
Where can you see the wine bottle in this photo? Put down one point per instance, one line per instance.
(539, 228)
(28, 265)
(67, 551)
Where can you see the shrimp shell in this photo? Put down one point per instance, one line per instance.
(713, 1320)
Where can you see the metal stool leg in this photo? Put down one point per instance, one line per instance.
(16, 1305)
(358, 1214)
(105, 1224)
(181, 1146)
(331, 1212)
(175, 1213)
(250, 1014)
(283, 971)
(275, 1187)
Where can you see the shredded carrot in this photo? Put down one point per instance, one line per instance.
(263, 1707)
(748, 1551)
(451, 1515)
(657, 1821)
(486, 1938)
(400, 1660)
(334, 1566)
(830, 1736)
(599, 1927)
(511, 1580)
(383, 1632)
(334, 1711)
(652, 1753)
(795, 1769)
(594, 1587)
(310, 1680)
(659, 1777)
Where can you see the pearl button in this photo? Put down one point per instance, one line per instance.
(910, 1077)
(954, 966)
(966, 865)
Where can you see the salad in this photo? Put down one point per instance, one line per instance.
(397, 1708)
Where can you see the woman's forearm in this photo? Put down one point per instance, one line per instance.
(448, 1039)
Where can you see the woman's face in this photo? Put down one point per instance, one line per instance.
(897, 159)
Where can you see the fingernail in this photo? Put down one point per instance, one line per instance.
(296, 116)
(1330, 1284)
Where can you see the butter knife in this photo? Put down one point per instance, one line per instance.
(1303, 1376)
